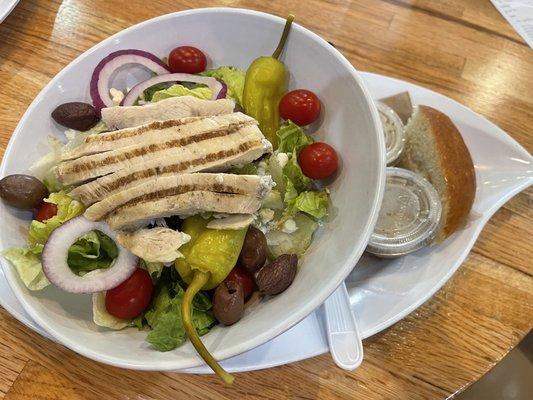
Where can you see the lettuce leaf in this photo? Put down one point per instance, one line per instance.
(246, 169)
(179, 90)
(67, 208)
(164, 317)
(155, 269)
(293, 172)
(232, 77)
(292, 138)
(28, 266)
(43, 168)
(314, 203)
(26, 260)
(148, 93)
(273, 200)
(102, 318)
(94, 250)
(275, 170)
(296, 242)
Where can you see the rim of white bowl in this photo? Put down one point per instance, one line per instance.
(279, 327)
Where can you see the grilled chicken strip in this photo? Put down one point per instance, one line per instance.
(183, 195)
(214, 155)
(154, 245)
(196, 150)
(134, 216)
(156, 132)
(172, 108)
(177, 184)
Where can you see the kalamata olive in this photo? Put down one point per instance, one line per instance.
(254, 250)
(277, 276)
(228, 302)
(76, 115)
(22, 191)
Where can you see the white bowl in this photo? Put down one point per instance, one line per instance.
(230, 37)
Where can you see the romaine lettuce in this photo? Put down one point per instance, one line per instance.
(314, 203)
(293, 172)
(43, 168)
(292, 138)
(296, 242)
(94, 250)
(28, 266)
(179, 90)
(232, 77)
(26, 260)
(164, 317)
(101, 316)
(154, 268)
(67, 208)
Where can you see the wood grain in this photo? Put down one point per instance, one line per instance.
(463, 49)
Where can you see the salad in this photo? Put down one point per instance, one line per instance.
(174, 201)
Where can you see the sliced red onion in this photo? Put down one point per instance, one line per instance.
(223, 91)
(105, 68)
(56, 269)
(138, 89)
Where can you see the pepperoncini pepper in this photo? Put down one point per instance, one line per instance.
(264, 86)
(209, 257)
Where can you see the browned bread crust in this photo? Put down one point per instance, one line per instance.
(457, 183)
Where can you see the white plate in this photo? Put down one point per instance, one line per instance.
(230, 37)
(384, 291)
(6, 6)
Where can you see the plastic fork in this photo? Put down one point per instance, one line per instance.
(345, 344)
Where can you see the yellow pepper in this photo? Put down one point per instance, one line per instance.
(209, 257)
(264, 86)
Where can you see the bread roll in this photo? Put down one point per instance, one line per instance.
(435, 149)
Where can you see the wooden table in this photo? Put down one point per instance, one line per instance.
(463, 49)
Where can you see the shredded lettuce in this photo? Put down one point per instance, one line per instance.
(232, 77)
(28, 266)
(292, 138)
(179, 90)
(314, 203)
(94, 250)
(67, 208)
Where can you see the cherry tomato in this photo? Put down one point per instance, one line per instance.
(187, 59)
(318, 160)
(300, 106)
(131, 297)
(45, 211)
(243, 278)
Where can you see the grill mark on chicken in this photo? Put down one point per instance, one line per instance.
(174, 191)
(138, 131)
(78, 167)
(173, 168)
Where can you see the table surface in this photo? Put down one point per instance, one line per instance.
(463, 49)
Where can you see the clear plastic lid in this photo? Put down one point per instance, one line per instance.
(409, 217)
(394, 132)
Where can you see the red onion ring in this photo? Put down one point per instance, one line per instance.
(135, 92)
(56, 269)
(105, 68)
